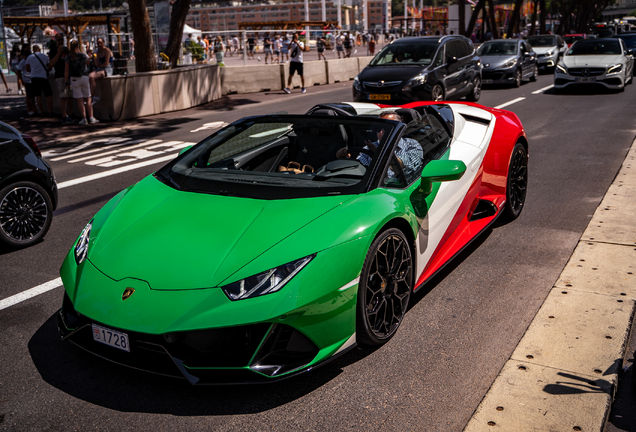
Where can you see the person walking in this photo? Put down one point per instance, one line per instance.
(15, 61)
(340, 45)
(276, 45)
(37, 64)
(284, 51)
(218, 50)
(267, 49)
(76, 78)
(57, 59)
(295, 63)
(26, 80)
(320, 47)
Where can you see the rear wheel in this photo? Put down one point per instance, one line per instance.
(517, 182)
(475, 93)
(26, 212)
(385, 288)
(437, 94)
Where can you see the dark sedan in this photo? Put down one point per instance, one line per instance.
(421, 68)
(28, 192)
(508, 61)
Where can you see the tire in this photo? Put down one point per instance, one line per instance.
(516, 183)
(518, 79)
(475, 93)
(26, 212)
(386, 284)
(437, 94)
(535, 74)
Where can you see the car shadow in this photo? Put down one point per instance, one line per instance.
(582, 90)
(92, 379)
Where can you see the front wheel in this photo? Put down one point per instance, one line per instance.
(437, 94)
(518, 77)
(386, 283)
(475, 93)
(535, 74)
(517, 183)
(26, 212)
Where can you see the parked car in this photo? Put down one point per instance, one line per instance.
(28, 192)
(571, 38)
(596, 61)
(281, 242)
(507, 61)
(421, 68)
(549, 49)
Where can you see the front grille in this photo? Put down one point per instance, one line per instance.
(590, 71)
(383, 85)
(494, 75)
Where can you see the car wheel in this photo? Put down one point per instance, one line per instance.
(437, 94)
(535, 74)
(386, 283)
(518, 77)
(475, 93)
(26, 212)
(516, 183)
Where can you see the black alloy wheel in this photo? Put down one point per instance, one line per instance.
(535, 74)
(386, 283)
(517, 183)
(518, 77)
(437, 94)
(26, 212)
(475, 93)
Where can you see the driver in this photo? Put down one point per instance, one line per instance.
(408, 151)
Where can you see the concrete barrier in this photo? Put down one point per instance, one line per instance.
(251, 79)
(315, 73)
(342, 70)
(363, 62)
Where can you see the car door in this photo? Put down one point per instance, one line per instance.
(453, 74)
(526, 58)
(561, 46)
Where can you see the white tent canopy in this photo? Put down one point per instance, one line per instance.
(189, 30)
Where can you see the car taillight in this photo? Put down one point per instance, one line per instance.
(32, 143)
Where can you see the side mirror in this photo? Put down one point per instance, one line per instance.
(441, 171)
(451, 60)
(185, 149)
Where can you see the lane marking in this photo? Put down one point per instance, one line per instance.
(74, 151)
(143, 143)
(115, 171)
(25, 295)
(541, 90)
(514, 101)
(212, 125)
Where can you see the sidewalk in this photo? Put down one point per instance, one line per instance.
(564, 372)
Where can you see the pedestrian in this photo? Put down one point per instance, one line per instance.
(15, 61)
(267, 49)
(251, 41)
(320, 47)
(372, 46)
(4, 80)
(103, 63)
(218, 50)
(295, 63)
(187, 41)
(203, 46)
(284, 50)
(235, 44)
(76, 77)
(25, 77)
(347, 45)
(57, 59)
(37, 64)
(277, 44)
(340, 45)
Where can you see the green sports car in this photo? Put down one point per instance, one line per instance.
(282, 241)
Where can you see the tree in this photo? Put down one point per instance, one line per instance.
(178, 16)
(145, 59)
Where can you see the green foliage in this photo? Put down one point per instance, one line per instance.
(632, 13)
(195, 49)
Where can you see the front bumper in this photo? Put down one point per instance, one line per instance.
(393, 96)
(613, 82)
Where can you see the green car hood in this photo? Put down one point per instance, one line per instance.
(178, 240)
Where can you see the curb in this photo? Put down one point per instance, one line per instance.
(563, 373)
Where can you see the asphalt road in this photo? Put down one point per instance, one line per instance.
(431, 376)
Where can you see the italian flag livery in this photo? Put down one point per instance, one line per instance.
(282, 241)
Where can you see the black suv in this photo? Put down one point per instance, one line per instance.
(421, 68)
(28, 192)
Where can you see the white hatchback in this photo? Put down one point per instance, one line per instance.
(596, 61)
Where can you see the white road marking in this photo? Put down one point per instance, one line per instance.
(25, 295)
(143, 143)
(212, 125)
(541, 90)
(74, 151)
(514, 101)
(115, 171)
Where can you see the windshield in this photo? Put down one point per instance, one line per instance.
(542, 41)
(276, 157)
(416, 53)
(506, 48)
(595, 47)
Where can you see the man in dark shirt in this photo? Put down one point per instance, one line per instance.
(57, 60)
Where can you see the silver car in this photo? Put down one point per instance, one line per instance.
(549, 49)
(507, 61)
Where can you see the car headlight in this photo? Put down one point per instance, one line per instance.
(509, 64)
(614, 69)
(418, 80)
(356, 83)
(550, 53)
(561, 69)
(81, 248)
(267, 282)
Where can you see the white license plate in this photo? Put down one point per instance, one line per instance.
(586, 79)
(111, 338)
(486, 81)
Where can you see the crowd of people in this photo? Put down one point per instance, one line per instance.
(74, 68)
